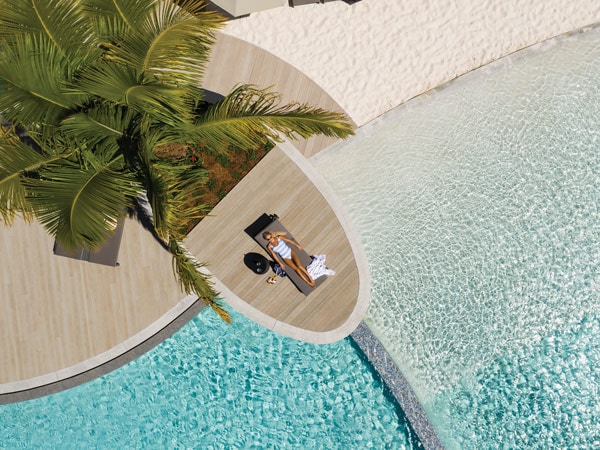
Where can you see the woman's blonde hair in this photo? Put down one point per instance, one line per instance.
(272, 234)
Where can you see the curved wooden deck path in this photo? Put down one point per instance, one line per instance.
(283, 183)
(62, 317)
(286, 184)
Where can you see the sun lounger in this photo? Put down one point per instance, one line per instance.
(107, 255)
(305, 258)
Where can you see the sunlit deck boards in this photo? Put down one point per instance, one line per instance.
(59, 312)
(277, 185)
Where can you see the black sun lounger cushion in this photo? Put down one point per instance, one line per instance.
(305, 258)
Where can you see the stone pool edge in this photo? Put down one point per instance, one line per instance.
(100, 365)
(395, 381)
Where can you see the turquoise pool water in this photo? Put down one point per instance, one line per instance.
(478, 207)
(214, 386)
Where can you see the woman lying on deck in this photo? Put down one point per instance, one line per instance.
(279, 250)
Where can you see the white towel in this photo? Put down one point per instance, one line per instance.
(318, 268)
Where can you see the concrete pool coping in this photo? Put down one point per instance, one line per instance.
(105, 362)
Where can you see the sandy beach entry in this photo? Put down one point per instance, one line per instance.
(376, 54)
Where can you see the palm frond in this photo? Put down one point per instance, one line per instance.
(103, 126)
(81, 205)
(17, 161)
(114, 17)
(172, 44)
(175, 195)
(192, 280)
(34, 74)
(16, 18)
(122, 86)
(248, 115)
(59, 22)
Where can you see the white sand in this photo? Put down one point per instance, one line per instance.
(376, 54)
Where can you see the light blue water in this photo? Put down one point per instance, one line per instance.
(478, 207)
(214, 386)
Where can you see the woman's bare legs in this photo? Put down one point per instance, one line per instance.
(295, 264)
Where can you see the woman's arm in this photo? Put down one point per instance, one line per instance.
(291, 242)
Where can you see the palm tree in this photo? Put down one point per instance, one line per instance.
(90, 89)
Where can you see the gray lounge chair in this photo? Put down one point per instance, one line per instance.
(305, 258)
(107, 255)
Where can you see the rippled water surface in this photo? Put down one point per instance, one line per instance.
(478, 207)
(220, 387)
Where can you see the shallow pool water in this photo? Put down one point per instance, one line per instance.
(217, 386)
(478, 207)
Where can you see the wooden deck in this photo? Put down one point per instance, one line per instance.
(283, 183)
(278, 185)
(61, 317)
